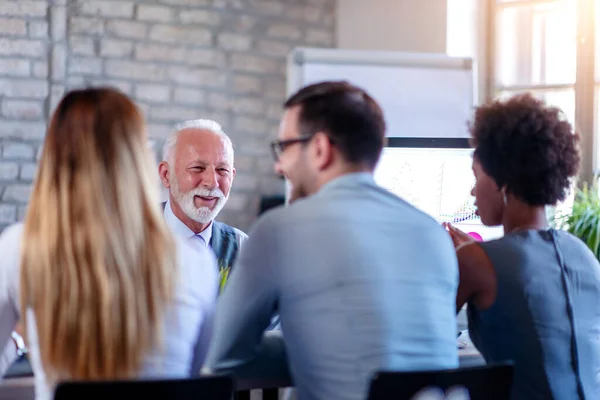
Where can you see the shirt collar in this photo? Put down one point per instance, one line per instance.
(353, 178)
(181, 229)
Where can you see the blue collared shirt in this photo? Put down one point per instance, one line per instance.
(363, 281)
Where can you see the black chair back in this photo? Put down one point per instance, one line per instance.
(204, 388)
(491, 382)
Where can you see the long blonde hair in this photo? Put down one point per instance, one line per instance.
(98, 262)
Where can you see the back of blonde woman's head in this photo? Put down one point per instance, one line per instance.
(98, 262)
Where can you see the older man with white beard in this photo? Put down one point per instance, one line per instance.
(198, 170)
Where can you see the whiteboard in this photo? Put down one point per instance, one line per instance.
(422, 95)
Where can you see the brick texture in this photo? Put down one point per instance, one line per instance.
(179, 59)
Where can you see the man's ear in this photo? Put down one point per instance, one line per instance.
(163, 173)
(323, 150)
(233, 172)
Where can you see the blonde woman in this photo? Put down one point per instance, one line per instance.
(103, 289)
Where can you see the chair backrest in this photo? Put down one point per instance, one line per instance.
(491, 382)
(204, 388)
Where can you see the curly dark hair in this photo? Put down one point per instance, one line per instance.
(527, 146)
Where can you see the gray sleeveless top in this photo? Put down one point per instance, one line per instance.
(546, 316)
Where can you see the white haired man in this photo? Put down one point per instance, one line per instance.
(198, 171)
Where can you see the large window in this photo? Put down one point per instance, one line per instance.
(545, 47)
(536, 50)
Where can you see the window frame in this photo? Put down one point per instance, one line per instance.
(585, 86)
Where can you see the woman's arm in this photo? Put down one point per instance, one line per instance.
(477, 279)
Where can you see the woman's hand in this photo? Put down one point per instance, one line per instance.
(459, 238)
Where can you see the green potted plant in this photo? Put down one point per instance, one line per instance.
(583, 219)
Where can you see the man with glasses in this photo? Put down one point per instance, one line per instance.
(362, 280)
(277, 148)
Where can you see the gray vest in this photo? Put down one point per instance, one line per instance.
(224, 243)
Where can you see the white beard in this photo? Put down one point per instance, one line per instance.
(202, 214)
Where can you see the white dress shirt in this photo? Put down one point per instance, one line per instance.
(187, 322)
(181, 229)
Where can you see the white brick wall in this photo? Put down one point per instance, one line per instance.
(17, 151)
(22, 109)
(24, 90)
(8, 213)
(203, 17)
(22, 47)
(9, 171)
(106, 8)
(13, 26)
(116, 48)
(127, 29)
(179, 34)
(153, 93)
(179, 59)
(154, 13)
(15, 67)
(23, 8)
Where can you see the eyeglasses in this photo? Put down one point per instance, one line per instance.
(279, 146)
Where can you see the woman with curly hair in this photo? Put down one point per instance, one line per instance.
(533, 295)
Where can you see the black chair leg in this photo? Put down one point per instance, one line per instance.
(241, 395)
(270, 394)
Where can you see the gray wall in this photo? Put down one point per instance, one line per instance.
(402, 25)
(180, 59)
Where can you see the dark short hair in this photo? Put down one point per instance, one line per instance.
(527, 146)
(346, 114)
